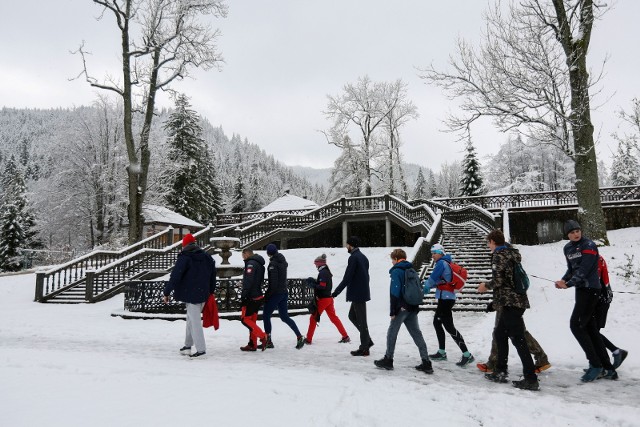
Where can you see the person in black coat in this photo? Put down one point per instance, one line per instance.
(252, 299)
(192, 280)
(277, 295)
(356, 280)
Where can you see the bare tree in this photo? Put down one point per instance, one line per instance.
(161, 40)
(530, 75)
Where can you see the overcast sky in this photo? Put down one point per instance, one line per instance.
(283, 57)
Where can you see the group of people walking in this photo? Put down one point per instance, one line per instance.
(193, 280)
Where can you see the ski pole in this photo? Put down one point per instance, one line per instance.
(538, 277)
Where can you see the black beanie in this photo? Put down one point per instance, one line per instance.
(571, 225)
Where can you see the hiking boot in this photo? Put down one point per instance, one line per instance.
(542, 367)
(591, 374)
(438, 356)
(269, 343)
(198, 354)
(384, 363)
(263, 343)
(249, 347)
(300, 342)
(497, 377)
(345, 339)
(360, 352)
(619, 358)
(185, 350)
(609, 374)
(425, 366)
(484, 367)
(525, 384)
(465, 360)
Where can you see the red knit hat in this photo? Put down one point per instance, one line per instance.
(188, 239)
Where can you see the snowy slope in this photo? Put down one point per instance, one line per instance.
(75, 365)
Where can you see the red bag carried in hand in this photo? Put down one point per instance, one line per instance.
(210, 313)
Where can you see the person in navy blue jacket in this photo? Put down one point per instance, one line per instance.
(192, 280)
(356, 280)
(252, 299)
(441, 278)
(582, 274)
(402, 313)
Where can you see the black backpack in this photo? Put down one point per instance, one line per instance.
(412, 292)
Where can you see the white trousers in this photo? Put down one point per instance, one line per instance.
(195, 332)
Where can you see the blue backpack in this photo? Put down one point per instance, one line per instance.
(412, 288)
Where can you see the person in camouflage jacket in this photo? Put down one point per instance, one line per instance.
(513, 305)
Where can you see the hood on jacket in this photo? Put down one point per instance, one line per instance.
(279, 258)
(256, 257)
(510, 252)
(403, 265)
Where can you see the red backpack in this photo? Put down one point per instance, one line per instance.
(606, 294)
(459, 276)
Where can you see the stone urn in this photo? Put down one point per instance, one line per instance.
(223, 247)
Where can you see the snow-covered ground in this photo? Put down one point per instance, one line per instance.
(76, 365)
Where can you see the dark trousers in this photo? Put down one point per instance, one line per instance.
(444, 318)
(358, 316)
(584, 326)
(278, 301)
(511, 325)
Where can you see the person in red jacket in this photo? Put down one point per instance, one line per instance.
(322, 293)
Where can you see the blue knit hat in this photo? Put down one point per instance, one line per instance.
(272, 249)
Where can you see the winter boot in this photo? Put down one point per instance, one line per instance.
(525, 384)
(269, 343)
(300, 342)
(345, 339)
(425, 366)
(185, 350)
(360, 352)
(465, 360)
(384, 363)
(484, 367)
(438, 355)
(249, 347)
(591, 374)
(619, 358)
(609, 374)
(497, 377)
(307, 341)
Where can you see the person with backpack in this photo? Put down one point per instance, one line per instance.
(582, 256)
(441, 278)
(512, 305)
(403, 312)
(602, 309)
(324, 302)
(277, 295)
(252, 299)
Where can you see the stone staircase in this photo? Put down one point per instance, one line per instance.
(467, 245)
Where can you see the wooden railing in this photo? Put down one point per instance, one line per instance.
(412, 215)
(69, 274)
(100, 278)
(542, 198)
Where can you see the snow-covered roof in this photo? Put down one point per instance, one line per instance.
(289, 202)
(162, 215)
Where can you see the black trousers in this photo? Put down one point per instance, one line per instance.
(511, 325)
(443, 319)
(584, 326)
(358, 316)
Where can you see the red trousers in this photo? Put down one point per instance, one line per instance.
(254, 330)
(325, 304)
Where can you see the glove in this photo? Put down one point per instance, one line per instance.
(490, 307)
(333, 295)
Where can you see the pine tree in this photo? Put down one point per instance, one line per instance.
(471, 182)
(193, 191)
(420, 191)
(625, 168)
(239, 198)
(15, 193)
(11, 238)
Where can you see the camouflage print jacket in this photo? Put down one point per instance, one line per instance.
(503, 260)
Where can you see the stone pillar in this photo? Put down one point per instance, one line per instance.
(387, 232)
(345, 230)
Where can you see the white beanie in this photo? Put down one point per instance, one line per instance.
(438, 249)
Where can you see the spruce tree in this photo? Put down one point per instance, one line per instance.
(625, 168)
(471, 182)
(420, 191)
(15, 193)
(11, 238)
(193, 191)
(239, 197)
